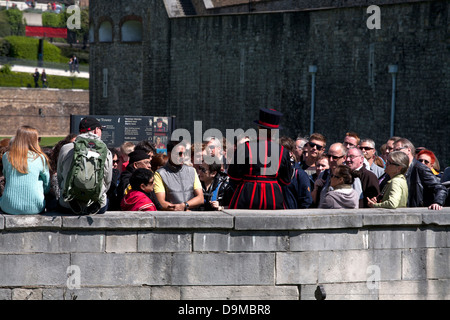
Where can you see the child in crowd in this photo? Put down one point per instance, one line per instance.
(136, 199)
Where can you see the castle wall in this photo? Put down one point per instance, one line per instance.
(236, 254)
(222, 69)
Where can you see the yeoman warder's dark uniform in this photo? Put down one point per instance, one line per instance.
(257, 182)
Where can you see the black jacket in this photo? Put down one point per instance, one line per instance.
(423, 187)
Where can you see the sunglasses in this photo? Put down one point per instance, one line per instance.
(335, 176)
(424, 161)
(318, 146)
(366, 148)
(115, 161)
(330, 156)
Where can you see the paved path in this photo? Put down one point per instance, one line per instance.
(55, 72)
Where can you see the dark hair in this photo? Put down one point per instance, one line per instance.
(146, 146)
(114, 152)
(215, 166)
(346, 173)
(54, 153)
(140, 176)
(159, 160)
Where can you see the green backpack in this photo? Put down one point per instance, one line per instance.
(85, 179)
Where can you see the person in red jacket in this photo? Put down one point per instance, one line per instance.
(136, 199)
(266, 165)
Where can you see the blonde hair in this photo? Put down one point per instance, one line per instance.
(26, 139)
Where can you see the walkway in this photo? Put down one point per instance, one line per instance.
(50, 71)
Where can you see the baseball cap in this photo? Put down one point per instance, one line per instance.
(89, 124)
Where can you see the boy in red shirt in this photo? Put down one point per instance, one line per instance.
(136, 198)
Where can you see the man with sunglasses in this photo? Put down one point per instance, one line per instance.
(315, 148)
(367, 146)
(336, 156)
(424, 189)
(177, 186)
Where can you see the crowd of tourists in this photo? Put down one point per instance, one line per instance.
(80, 175)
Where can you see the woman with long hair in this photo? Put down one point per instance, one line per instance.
(26, 170)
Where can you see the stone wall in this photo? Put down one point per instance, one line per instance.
(47, 110)
(235, 254)
(201, 68)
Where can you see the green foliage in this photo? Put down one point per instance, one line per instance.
(51, 19)
(27, 48)
(16, 23)
(5, 69)
(5, 29)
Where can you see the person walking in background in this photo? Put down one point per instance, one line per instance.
(36, 78)
(44, 78)
(27, 174)
(395, 193)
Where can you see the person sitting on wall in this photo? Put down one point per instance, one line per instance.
(170, 192)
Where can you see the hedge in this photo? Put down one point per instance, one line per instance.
(27, 48)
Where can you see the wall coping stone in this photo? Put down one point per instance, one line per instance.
(307, 219)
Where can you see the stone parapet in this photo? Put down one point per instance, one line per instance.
(234, 254)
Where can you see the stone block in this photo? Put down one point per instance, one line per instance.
(343, 239)
(116, 220)
(340, 291)
(13, 222)
(223, 269)
(165, 293)
(441, 218)
(161, 241)
(435, 289)
(359, 265)
(400, 237)
(83, 241)
(5, 294)
(423, 264)
(241, 241)
(297, 268)
(2, 221)
(240, 293)
(193, 219)
(40, 269)
(26, 294)
(401, 216)
(123, 269)
(121, 241)
(295, 219)
(29, 241)
(115, 293)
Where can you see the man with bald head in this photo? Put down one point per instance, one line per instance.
(336, 156)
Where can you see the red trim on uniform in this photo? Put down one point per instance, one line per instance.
(274, 126)
(253, 194)
(273, 195)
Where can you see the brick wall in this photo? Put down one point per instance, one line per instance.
(46, 110)
(236, 254)
(222, 69)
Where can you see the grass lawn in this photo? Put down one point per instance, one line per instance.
(20, 79)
